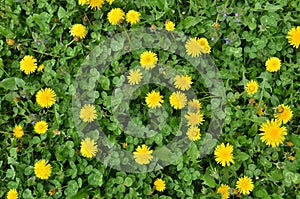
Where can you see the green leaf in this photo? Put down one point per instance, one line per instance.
(128, 181)
(61, 13)
(242, 156)
(12, 83)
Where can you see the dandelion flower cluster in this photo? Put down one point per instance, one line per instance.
(78, 30)
(142, 155)
(12, 194)
(154, 99)
(178, 100)
(133, 17)
(194, 119)
(223, 154)
(88, 148)
(41, 127)
(252, 87)
(224, 191)
(284, 113)
(134, 77)
(273, 134)
(148, 60)
(273, 64)
(294, 36)
(96, 4)
(183, 82)
(195, 46)
(244, 185)
(193, 133)
(115, 16)
(88, 113)
(42, 169)
(28, 64)
(45, 97)
(159, 185)
(170, 26)
(18, 131)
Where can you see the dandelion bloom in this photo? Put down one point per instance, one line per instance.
(83, 2)
(42, 169)
(159, 185)
(18, 131)
(193, 133)
(244, 185)
(178, 100)
(28, 64)
(142, 155)
(134, 77)
(183, 82)
(224, 190)
(115, 16)
(88, 148)
(41, 67)
(148, 60)
(45, 97)
(133, 17)
(154, 99)
(196, 46)
(294, 36)
(12, 194)
(170, 26)
(194, 118)
(194, 105)
(223, 154)
(273, 64)
(110, 1)
(78, 30)
(272, 134)
(88, 113)
(252, 87)
(284, 113)
(204, 45)
(41, 127)
(97, 4)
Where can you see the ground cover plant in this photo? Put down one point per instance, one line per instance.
(149, 99)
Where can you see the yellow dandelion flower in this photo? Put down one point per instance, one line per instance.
(205, 48)
(284, 113)
(178, 100)
(193, 47)
(78, 30)
(170, 26)
(110, 1)
(294, 36)
(41, 127)
(45, 97)
(12, 194)
(183, 82)
(134, 77)
(159, 185)
(10, 42)
(133, 17)
(142, 155)
(223, 154)
(88, 113)
(148, 60)
(224, 190)
(18, 131)
(272, 134)
(194, 105)
(193, 133)
(115, 16)
(252, 87)
(260, 112)
(154, 99)
(97, 4)
(88, 148)
(244, 185)
(41, 67)
(194, 119)
(28, 64)
(273, 64)
(83, 2)
(42, 169)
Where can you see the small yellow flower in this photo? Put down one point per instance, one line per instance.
(28, 64)
(10, 42)
(41, 67)
(183, 82)
(142, 155)
(159, 185)
(244, 185)
(41, 127)
(18, 131)
(284, 113)
(97, 4)
(224, 190)
(223, 154)
(204, 45)
(78, 30)
(178, 100)
(194, 105)
(115, 16)
(273, 134)
(88, 148)
(110, 1)
(194, 119)
(42, 169)
(154, 99)
(193, 133)
(294, 36)
(133, 17)
(148, 60)
(273, 64)
(45, 97)
(12, 194)
(252, 87)
(170, 26)
(88, 113)
(83, 2)
(134, 77)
